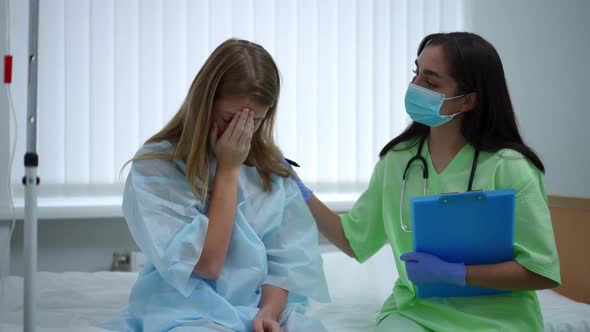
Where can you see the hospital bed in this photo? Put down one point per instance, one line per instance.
(79, 301)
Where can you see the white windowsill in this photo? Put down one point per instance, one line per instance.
(71, 202)
(96, 204)
(72, 207)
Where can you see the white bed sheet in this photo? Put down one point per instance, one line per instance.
(78, 301)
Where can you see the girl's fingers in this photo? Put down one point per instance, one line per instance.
(271, 326)
(228, 133)
(248, 130)
(257, 325)
(240, 125)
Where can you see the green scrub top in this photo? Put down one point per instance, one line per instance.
(374, 221)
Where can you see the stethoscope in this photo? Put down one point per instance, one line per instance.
(418, 157)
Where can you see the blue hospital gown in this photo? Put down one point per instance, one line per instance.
(274, 241)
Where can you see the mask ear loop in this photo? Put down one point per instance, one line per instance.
(454, 97)
(452, 116)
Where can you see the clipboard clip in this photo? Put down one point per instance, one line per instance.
(454, 197)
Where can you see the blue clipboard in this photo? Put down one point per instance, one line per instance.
(471, 227)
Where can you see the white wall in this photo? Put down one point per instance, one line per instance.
(545, 48)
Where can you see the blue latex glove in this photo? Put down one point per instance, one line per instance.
(306, 192)
(423, 268)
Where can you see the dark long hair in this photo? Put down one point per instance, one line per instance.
(476, 66)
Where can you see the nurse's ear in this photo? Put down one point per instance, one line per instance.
(468, 102)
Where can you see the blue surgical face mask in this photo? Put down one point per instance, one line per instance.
(423, 106)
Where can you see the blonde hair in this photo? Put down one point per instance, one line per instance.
(235, 68)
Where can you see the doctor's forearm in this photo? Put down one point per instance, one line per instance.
(506, 276)
(221, 219)
(329, 225)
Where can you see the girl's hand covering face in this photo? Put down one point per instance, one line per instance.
(231, 148)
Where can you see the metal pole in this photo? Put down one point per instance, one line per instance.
(31, 180)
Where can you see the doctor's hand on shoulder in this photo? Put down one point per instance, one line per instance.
(305, 191)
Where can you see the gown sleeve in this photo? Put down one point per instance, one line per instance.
(294, 260)
(165, 220)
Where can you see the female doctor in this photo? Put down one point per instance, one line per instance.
(464, 132)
